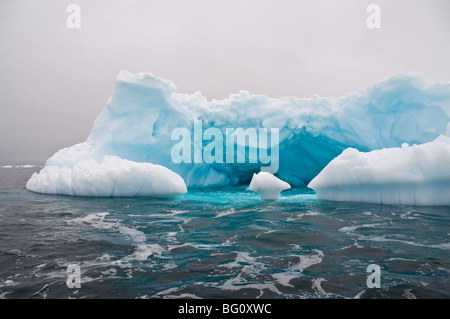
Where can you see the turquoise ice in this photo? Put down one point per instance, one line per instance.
(138, 120)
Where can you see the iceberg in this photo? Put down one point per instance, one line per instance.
(407, 175)
(144, 110)
(113, 177)
(267, 185)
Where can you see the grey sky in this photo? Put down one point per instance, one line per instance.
(54, 81)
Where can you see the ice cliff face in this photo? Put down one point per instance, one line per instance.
(138, 120)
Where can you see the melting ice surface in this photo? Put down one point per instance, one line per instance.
(137, 122)
(411, 175)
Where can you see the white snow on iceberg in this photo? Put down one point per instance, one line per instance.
(113, 177)
(410, 175)
(267, 185)
(138, 120)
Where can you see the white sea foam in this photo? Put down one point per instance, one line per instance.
(308, 261)
(295, 271)
(182, 296)
(317, 286)
(109, 272)
(171, 293)
(104, 257)
(266, 232)
(242, 258)
(301, 215)
(349, 229)
(97, 220)
(3, 294)
(144, 251)
(238, 283)
(8, 283)
(284, 278)
(408, 294)
(226, 212)
(443, 246)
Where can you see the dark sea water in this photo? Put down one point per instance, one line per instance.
(223, 243)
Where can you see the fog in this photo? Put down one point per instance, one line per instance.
(55, 80)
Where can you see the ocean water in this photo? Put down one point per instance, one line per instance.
(220, 243)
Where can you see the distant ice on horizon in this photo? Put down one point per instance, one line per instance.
(21, 166)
